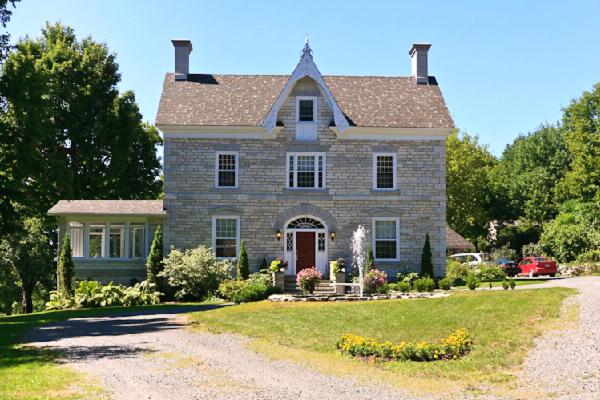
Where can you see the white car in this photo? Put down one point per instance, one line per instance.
(473, 259)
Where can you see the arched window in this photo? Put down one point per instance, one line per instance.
(305, 223)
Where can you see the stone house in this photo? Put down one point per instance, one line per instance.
(289, 164)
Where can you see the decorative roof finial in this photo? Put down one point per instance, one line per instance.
(306, 48)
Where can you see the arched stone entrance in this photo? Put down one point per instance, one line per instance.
(305, 244)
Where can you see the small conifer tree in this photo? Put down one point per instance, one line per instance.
(65, 266)
(426, 259)
(243, 270)
(154, 263)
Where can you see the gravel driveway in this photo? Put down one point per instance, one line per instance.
(151, 355)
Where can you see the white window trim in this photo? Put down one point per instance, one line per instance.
(287, 170)
(122, 241)
(314, 100)
(237, 168)
(131, 241)
(373, 239)
(394, 157)
(237, 236)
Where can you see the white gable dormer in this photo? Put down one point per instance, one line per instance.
(306, 129)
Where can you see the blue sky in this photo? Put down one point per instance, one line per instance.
(504, 66)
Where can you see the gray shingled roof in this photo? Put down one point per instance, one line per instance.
(108, 207)
(244, 100)
(456, 242)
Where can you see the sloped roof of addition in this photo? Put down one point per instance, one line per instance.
(253, 100)
(108, 207)
(456, 241)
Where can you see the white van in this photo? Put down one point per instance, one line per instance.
(473, 259)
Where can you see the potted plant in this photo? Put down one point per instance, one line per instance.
(307, 279)
(277, 268)
(338, 273)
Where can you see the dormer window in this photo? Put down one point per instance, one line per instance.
(306, 118)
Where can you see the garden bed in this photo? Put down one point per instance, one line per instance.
(354, 297)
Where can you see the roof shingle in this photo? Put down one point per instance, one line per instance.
(244, 100)
(108, 207)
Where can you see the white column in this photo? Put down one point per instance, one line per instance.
(106, 243)
(86, 239)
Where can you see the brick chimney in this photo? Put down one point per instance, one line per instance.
(183, 48)
(418, 58)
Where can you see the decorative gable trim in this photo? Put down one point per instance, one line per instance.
(306, 67)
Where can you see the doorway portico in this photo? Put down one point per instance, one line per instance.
(305, 244)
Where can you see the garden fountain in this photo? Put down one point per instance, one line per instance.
(359, 254)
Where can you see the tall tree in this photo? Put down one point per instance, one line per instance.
(526, 176)
(5, 15)
(243, 269)
(72, 133)
(27, 254)
(468, 188)
(581, 122)
(154, 262)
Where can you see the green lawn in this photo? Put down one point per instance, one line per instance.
(27, 373)
(503, 325)
(486, 285)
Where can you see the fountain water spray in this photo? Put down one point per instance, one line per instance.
(359, 254)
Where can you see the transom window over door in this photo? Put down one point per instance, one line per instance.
(226, 236)
(384, 171)
(385, 238)
(306, 170)
(226, 169)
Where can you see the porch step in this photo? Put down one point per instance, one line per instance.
(322, 287)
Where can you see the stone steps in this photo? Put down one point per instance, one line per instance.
(322, 287)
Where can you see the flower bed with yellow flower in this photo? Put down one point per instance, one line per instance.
(451, 347)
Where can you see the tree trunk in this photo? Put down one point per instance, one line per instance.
(26, 302)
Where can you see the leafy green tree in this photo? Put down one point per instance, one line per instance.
(468, 187)
(154, 262)
(73, 134)
(427, 258)
(527, 174)
(581, 122)
(27, 254)
(243, 270)
(5, 15)
(65, 266)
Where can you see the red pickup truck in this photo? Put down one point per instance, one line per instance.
(535, 266)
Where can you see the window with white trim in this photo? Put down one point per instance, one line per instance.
(384, 171)
(137, 241)
(386, 238)
(96, 238)
(116, 242)
(76, 234)
(305, 170)
(306, 108)
(226, 169)
(226, 236)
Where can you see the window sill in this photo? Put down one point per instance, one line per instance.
(307, 190)
(227, 189)
(385, 191)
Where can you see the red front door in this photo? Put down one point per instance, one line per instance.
(305, 250)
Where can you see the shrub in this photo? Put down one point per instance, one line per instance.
(65, 266)
(253, 289)
(589, 256)
(403, 287)
(427, 259)
(532, 250)
(445, 283)
(278, 264)
(375, 281)
(503, 252)
(472, 282)
(194, 273)
(307, 279)
(154, 263)
(512, 283)
(370, 258)
(425, 284)
(505, 284)
(490, 273)
(243, 270)
(408, 278)
(263, 264)
(451, 347)
(457, 271)
(94, 294)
